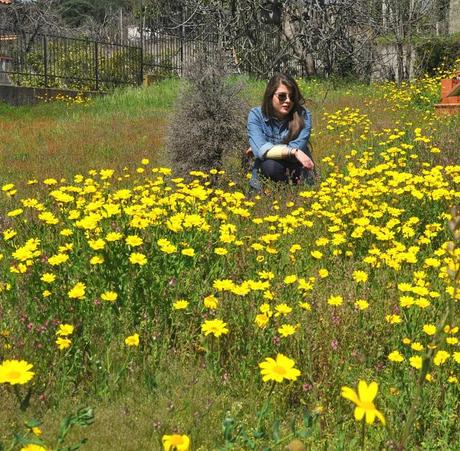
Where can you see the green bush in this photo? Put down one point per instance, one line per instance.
(437, 51)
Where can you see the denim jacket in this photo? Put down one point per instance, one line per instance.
(264, 133)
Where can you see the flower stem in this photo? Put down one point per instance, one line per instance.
(264, 409)
(363, 435)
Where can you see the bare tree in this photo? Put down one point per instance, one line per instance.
(324, 37)
(99, 20)
(255, 35)
(340, 36)
(32, 16)
(102, 20)
(402, 20)
(323, 33)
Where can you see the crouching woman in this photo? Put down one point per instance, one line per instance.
(278, 133)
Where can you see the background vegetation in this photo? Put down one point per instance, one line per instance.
(366, 39)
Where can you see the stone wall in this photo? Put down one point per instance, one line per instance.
(17, 95)
(385, 66)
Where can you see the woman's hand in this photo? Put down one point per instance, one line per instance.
(303, 159)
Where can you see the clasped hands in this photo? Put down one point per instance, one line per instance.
(300, 155)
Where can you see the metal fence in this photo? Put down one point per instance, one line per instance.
(51, 61)
(166, 55)
(61, 62)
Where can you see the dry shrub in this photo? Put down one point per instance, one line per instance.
(209, 119)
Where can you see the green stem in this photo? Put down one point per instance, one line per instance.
(17, 394)
(265, 406)
(363, 435)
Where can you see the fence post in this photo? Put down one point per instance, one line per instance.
(96, 64)
(45, 59)
(182, 44)
(141, 68)
(182, 41)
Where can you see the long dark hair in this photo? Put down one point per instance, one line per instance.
(296, 120)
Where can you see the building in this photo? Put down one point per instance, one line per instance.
(454, 16)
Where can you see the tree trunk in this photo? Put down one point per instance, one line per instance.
(400, 62)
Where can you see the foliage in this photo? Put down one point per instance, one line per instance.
(31, 440)
(419, 93)
(161, 65)
(437, 51)
(263, 36)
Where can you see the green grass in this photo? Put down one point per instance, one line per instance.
(134, 102)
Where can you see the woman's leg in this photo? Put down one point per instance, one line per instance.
(275, 170)
(298, 174)
(285, 170)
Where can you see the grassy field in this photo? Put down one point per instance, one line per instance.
(173, 306)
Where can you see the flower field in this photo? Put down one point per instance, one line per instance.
(285, 302)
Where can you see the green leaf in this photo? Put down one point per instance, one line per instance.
(307, 419)
(276, 431)
(293, 426)
(75, 447)
(150, 381)
(228, 426)
(32, 423)
(259, 433)
(303, 433)
(22, 440)
(85, 416)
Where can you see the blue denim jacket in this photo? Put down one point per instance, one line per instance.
(264, 133)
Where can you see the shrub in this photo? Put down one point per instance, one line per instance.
(209, 117)
(437, 51)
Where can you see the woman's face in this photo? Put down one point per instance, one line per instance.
(281, 101)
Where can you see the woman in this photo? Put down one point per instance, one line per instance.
(278, 133)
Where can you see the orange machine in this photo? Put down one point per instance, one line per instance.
(450, 96)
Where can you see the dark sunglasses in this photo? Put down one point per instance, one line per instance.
(282, 96)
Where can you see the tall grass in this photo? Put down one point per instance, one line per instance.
(156, 99)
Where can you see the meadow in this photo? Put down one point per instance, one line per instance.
(141, 310)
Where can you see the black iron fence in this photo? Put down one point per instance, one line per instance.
(61, 62)
(166, 55)
(51, 61)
